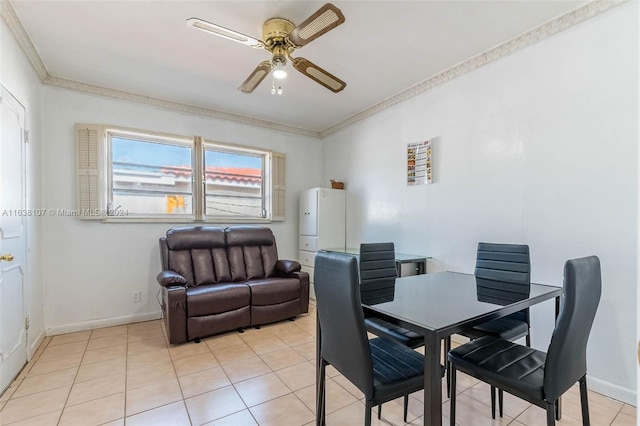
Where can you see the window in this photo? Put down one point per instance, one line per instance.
(234, 182)
(149, 176)
(127, 175)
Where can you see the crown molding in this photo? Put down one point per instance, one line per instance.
(15, 26)
(535, 35)
(174, 106)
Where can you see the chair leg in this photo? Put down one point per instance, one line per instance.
(551, 418)
(379, 411)
(584, 401)
(452, 400)
(447, 365)
(528, 340)
(406, 407)
(559, 409)
(321, 397)
(493, 402)
(500, 400)
(367, 413)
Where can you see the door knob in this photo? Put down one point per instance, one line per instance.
(7, 257)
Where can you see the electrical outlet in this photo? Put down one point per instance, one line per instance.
(137, 296)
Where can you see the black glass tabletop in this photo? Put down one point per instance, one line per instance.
(446, 301)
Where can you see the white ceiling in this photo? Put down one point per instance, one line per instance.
(384, 47)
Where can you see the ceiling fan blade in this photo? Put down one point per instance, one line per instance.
(322, 21)
(224, 32)
(256, 77)
(319, 75)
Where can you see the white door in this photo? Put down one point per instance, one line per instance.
(13, 330)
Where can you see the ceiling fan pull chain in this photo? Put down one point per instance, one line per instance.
(273, 86)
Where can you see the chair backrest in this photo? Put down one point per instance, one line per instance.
(377, 272)
(344, 338)
(505, 269)
(377, 262)
(198, 253)
(252, 252)
(567, 356)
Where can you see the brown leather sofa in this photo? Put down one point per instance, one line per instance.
(220, 279)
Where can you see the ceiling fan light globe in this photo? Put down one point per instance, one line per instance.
(279, 74)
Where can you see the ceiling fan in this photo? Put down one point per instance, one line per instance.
(281, 37)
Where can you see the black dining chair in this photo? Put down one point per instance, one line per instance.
(535, 376)
(377, 273)
(508, 268)
(381, 368)
(377, 263)
(377, 276)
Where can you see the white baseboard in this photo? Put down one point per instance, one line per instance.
(101, 323)
(628, 396)
(35, 344)
(312, 292)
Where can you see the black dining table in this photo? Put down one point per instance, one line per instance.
(437, 305)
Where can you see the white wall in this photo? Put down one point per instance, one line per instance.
(92, 269)
(540, 148)
(17, 75)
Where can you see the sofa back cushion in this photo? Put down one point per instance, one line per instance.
(252, 252)
(199, 254)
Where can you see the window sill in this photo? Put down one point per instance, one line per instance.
(181, 220)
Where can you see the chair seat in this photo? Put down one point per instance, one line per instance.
(383, 328)
(505, 328)
(274, 290)
(519, 368)
(397, 369)
(211, 299)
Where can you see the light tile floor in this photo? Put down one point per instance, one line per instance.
(130, 375)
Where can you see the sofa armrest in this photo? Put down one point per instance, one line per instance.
(287, 267)
(171, 278)
(174, 307)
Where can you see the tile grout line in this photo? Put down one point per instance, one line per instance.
(168, 346)
(64, 406)
(26, 371)
(233, 384)
(617, 414)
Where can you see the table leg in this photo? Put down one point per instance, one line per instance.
(432, 382)
(422, 267)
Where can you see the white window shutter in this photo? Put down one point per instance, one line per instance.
(89, 143)
(278, 180)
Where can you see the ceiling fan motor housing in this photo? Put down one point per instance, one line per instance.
(275, 31)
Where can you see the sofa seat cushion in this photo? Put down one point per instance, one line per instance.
(216, 298)
(271, 291)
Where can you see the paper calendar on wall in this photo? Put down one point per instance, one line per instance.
(419, 164)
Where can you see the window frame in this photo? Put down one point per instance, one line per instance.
(198, 146)
(265, 184)
(152, 137)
